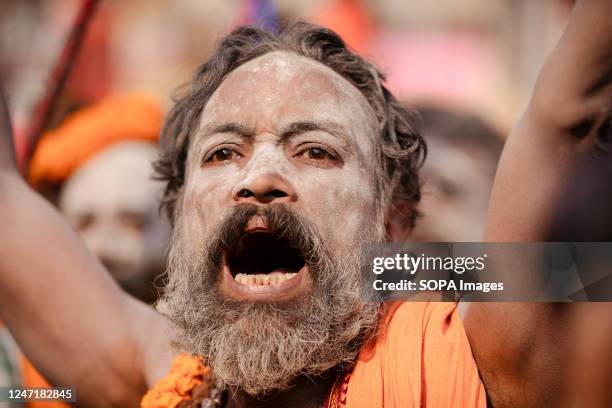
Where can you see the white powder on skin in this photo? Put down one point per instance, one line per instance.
(267, 94)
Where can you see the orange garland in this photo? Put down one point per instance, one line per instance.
(187, 372)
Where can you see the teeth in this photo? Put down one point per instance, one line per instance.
(263, 279)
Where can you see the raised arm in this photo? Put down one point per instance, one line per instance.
(66, 313)
(522, 349)
(569, 105)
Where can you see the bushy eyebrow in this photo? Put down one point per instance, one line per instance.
(332, 128)
(293, 129)
(229, 127)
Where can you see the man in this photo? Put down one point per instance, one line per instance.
(285, 155)
(110, 144)
(462, 155)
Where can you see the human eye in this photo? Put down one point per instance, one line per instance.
(222, 155)
(317, 154)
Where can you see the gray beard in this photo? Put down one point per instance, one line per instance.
(261, 347)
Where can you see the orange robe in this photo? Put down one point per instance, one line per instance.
(420, 358)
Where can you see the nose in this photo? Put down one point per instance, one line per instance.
(100, 242)
(265, 188)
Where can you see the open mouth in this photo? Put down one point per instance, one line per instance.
(263, 262)
(264, 259)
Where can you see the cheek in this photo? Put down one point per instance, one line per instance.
(134, 250)
(204, 202)
(342, 205)
(116, 243)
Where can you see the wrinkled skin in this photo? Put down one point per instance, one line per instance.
(112, 203)
(310, 148)
(317, 188)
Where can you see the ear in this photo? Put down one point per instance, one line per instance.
(398, 221)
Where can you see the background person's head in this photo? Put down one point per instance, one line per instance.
(99, 163)
(285, 155)
(463, 152)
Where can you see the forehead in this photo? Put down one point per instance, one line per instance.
(280, 87)
(118, 178)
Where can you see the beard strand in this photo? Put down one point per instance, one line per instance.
(260, 347)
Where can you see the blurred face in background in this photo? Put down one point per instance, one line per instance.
(458, 175)
(112, 202)
(455, 194)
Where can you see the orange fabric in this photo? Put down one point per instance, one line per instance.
(32, 378)
(351, 20)
(186, 373)
(421, 358)
(82, 135)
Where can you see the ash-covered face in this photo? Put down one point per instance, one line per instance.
(112, 202)
(264, 270)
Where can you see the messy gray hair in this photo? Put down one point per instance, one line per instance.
(401, 149)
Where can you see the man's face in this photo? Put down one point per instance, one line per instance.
(282, 129)
(112, 203)
(458, 182)
(278, 197)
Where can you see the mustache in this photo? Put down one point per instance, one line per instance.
(282, 223)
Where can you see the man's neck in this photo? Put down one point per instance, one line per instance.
(305, 392)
